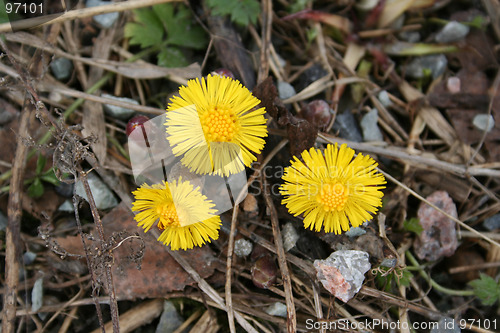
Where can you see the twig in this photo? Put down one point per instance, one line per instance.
(418, 196)
(267, 21)
(285, 274)
(234, 223)
(457, 169)
(107, 266)
(12, 234)
(81, 13)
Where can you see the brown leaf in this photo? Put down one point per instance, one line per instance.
(159, 273)
(267, 93)
(301, 133)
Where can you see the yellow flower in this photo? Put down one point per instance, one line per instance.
(185, 215)
(213, 126)
(332, 190)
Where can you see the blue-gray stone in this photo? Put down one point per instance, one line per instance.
(66, 206)
(37, 295)
(118, 111)
(410, 36)
(29, 257)
(170, 320)
(3, 222)
(369, 126)
(242, 247)
(436, 63)
(285, 90)
(347, 127)
(290, 236)
(103, 197)
(276, 309)
(61, 68)
(446, 325)
(452, 32)
(389, 262)
(103, 20)
(492, 222)
(355, 232)
(484, 122)
(384, 98)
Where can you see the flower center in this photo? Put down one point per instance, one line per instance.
(333, 196)
(219, 124)
(168, 216)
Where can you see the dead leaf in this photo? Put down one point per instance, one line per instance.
(159, 273)
(301, 133)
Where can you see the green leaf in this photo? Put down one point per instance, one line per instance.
(405, 277)
(241, 12)
(35, 190)
(180, 29)
(40, 164)
(413, 225)
(148, 30)
(50, 177)
(486, 289)
(171, 57)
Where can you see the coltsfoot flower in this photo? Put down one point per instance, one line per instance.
(331, 189)
(185, 215)
(214, 127)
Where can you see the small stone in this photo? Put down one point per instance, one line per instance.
(290, 236)
(452, 32)
(117, 111)
(343, 272)
(310, 75)
(37, 295)
(170, 319)
(64, 189)
(3, 222)
(453, 84)
(439, 237)
(7, 112)
(410, 36)
(285, 90)
(355, 232)
(103, 197)
(366, 5)
(389, 262)
(243, 247)
(418, 67)
(103, 20)
(276, 309)
(29, 257)
(61, 68)
(484, 122)
(250, 204)
(347, 127)
(492, 222)
(384, 98)
(369, 126)
(66, 206)
(398, 22)
(446, 325)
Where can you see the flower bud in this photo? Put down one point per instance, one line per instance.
(264, 272)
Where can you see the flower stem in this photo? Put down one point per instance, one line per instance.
(433, 283)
